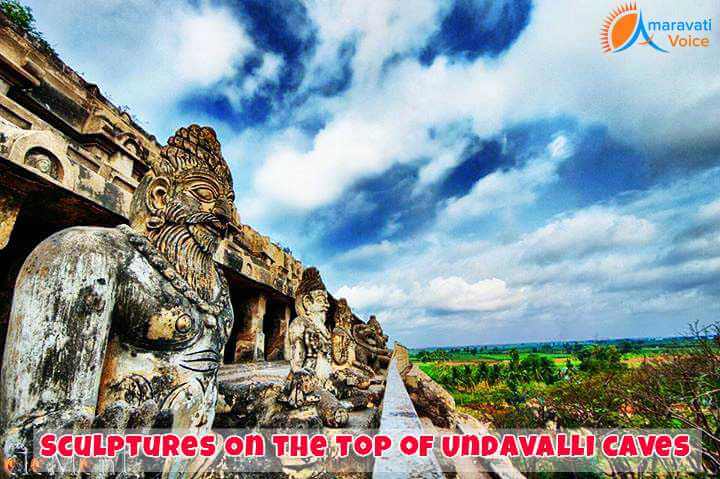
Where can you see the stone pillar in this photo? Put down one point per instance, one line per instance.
(259, 352)
(277, 342)
(287, 316)
(250, 345)
(9, 209)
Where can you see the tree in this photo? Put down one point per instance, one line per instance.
(19, 14)
(682, 390)
(627, 346)
(426, 356)
(598, 358)
(494, 374)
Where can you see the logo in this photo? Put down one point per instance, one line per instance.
(625, 27)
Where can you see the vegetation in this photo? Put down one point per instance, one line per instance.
(22, 17)
(612, 384)
(596, 359)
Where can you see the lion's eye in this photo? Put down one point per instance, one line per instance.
(204, 194)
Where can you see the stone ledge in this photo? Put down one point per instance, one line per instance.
(399, 418)
(500, 468)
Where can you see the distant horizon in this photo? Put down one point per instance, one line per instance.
(634, 338)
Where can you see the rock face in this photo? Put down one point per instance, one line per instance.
(430, 399)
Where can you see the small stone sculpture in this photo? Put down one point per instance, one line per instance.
(349, 373)
(371, 345)
(309, 381)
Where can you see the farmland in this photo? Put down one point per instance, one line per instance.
(626, 383)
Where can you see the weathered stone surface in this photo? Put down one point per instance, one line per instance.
(429, 398)
(331, 411)
(276, 343)
(350, 375)
(399, 419)
(499, 467)
(275, 371)
(9, 209)
(247, 405)
(371, 350)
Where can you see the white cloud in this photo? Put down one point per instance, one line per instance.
(563, 70)
(587, 231)
(385, 29)
(373, 132)
(710, 212)
(368, 296)
(267, 73)
(368, 252)
(146, 55)
(456, 294)
(384, 119)
(451, 293)
(202, 46)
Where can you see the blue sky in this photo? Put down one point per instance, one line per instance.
(470, 171)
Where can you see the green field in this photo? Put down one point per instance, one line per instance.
(632, 359)
(517, 385)
(631, 350)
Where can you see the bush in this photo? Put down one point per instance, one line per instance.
(23, 18)
(425, 356)
(682, 390)
(597, 358)
(677, 390)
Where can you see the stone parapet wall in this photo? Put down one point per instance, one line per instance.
(398, 419)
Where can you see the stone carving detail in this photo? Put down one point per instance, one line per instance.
(349, 372)
(310, 380)
(342, 341)
(371, 345)
(45, 162)
(146, 299)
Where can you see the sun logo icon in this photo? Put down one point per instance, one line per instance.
(623, 27)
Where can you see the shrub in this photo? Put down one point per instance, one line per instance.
(22, 17)
(599, 358)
